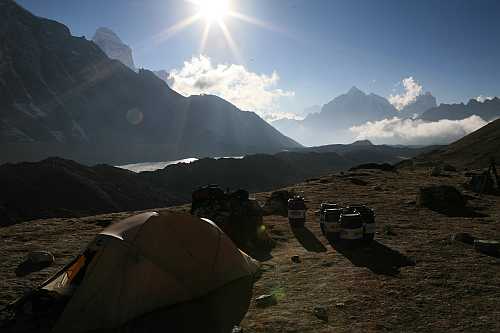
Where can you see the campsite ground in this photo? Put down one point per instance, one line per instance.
(412, 278)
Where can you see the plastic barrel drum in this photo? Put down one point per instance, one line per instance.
(351, 228)
(331, 223)
(368, 217)
(296, 212)
(322, 208)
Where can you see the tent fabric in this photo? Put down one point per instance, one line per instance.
(153, 263)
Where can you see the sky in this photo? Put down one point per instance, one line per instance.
(292, 54)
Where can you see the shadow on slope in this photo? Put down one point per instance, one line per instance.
(375, 256)
(308, 240)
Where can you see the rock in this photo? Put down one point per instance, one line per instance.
(449, 168)
(295, 259)
(489, 247)
(277, 204)
(389, 230)
(237, 329)
(374, 166)
(265, 301)
(41, 257)
(339, 305)
(442, 198)
(357, 181)
(321, 313)
(35, 261)
(463, 237)
(437, 171)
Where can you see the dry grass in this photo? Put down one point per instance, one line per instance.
(413, 279)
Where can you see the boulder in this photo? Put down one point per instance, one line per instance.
(489, 247)
(443, 198)
(463, 237)
(41, 257)
(374, 166)
(449, 168)
(321, 313)
(35, 261)
(437, 171)
(277, 204)
(265, 300)
(359, 182)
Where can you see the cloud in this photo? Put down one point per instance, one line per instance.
(417, 131)
(482, 98)
(412, 90)
(247, 90)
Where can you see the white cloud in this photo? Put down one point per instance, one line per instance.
(247, 90)
(417, 131)
(482, 98)
(412, 90)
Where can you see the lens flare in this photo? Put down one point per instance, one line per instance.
(213, 10)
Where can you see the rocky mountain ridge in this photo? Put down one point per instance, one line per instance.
(62, 96)
(113, 46)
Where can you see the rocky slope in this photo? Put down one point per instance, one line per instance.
(472, 151)
(60, 95)
(49, 188)
(55, 187)
(414, 278)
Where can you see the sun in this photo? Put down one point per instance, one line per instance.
(213, 10)
(214, 13)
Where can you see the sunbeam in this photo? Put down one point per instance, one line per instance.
(230, 42)
(204, 37)
(169, 32)
(214, 11)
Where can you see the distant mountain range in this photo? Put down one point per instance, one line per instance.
(61, 95)
(355, 107)
(488, 110)
(363, 151)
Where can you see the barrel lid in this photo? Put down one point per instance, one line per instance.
(354, 216)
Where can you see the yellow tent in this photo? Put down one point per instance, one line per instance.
(156, 272)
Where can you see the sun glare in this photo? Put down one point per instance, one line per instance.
(214, 13)
(213, 10)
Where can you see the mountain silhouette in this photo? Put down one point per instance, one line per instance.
(488, 110)
(332, 123)
(421, 104)
(61, 95)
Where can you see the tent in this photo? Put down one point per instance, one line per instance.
(156, 272)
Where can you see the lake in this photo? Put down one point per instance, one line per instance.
(152, 166)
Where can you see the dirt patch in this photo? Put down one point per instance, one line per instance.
(412, 279)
